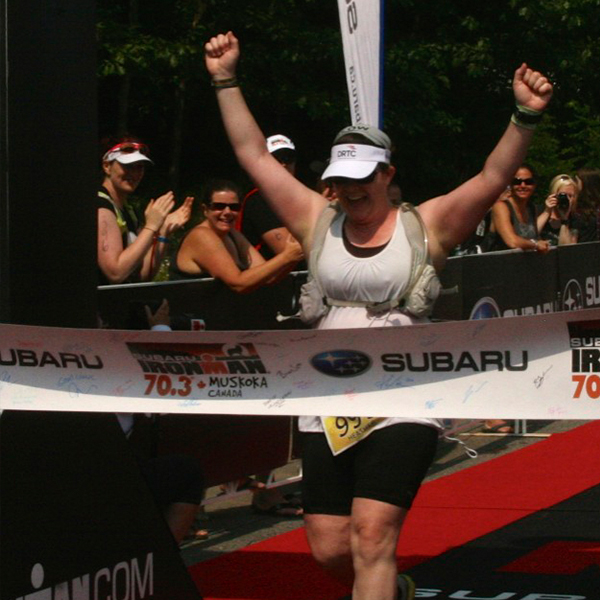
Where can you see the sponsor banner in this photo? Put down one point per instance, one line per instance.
(518, 284)
(360, 23)
(537, 367)
(509, 284)
(514, 283)
(579, 282)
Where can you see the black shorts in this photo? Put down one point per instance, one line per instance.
(389, 466)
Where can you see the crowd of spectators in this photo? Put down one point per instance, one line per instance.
(237, 243)
(570, 214)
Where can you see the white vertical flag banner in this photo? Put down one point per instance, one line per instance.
(362, 37)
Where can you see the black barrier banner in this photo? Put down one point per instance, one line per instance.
(509, 284)
(579, 276)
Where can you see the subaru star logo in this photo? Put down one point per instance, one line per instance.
(341, 363)
(485, 308)
(572, 296)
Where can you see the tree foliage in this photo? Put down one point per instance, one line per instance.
(448, 71)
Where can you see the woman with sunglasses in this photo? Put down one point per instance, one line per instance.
(127, 250)
(514, 220)
(214, 248)
(355, 502)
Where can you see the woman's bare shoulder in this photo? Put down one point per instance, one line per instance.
(501, 208)
(201, 232)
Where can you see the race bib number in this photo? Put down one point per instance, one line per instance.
(344, 432)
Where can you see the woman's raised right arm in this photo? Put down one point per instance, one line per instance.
(295, 204)
(209, 253)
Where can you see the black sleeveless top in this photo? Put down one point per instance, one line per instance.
(527, 230)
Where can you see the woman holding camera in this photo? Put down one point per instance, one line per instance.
(515, 221)
(582, 219)
(562, 226)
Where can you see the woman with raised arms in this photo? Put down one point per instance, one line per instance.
(356, 501)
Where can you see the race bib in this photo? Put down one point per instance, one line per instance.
(344, 432)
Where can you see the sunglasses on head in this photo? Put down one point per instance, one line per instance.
(526, 181)
(346, 180)
(129, 147)
(233, 207)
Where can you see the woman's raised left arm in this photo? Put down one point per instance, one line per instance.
(451, 218)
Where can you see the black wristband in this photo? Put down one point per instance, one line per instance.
(221, 84)
(527, 118)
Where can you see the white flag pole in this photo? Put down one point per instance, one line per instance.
(361, 23)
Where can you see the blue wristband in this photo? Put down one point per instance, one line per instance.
(162, 239)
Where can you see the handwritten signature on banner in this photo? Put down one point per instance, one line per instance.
(472, 390)
(539, 380)
(77, 385)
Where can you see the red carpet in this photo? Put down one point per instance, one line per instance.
(448, 514)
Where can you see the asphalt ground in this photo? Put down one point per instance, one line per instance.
(233, 525)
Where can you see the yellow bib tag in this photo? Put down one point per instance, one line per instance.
(343, 432)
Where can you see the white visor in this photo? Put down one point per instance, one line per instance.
(126, 158)
(355, 161)
(279, 142)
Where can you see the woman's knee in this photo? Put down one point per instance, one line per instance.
(375, 531)
(329, 539)
(372, 542)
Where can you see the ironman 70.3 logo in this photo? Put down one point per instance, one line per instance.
(584, 338)
(176, 369)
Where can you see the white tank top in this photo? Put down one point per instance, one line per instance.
(375, 279)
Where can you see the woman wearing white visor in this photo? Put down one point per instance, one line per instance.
(127, 251)
(355, 501)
